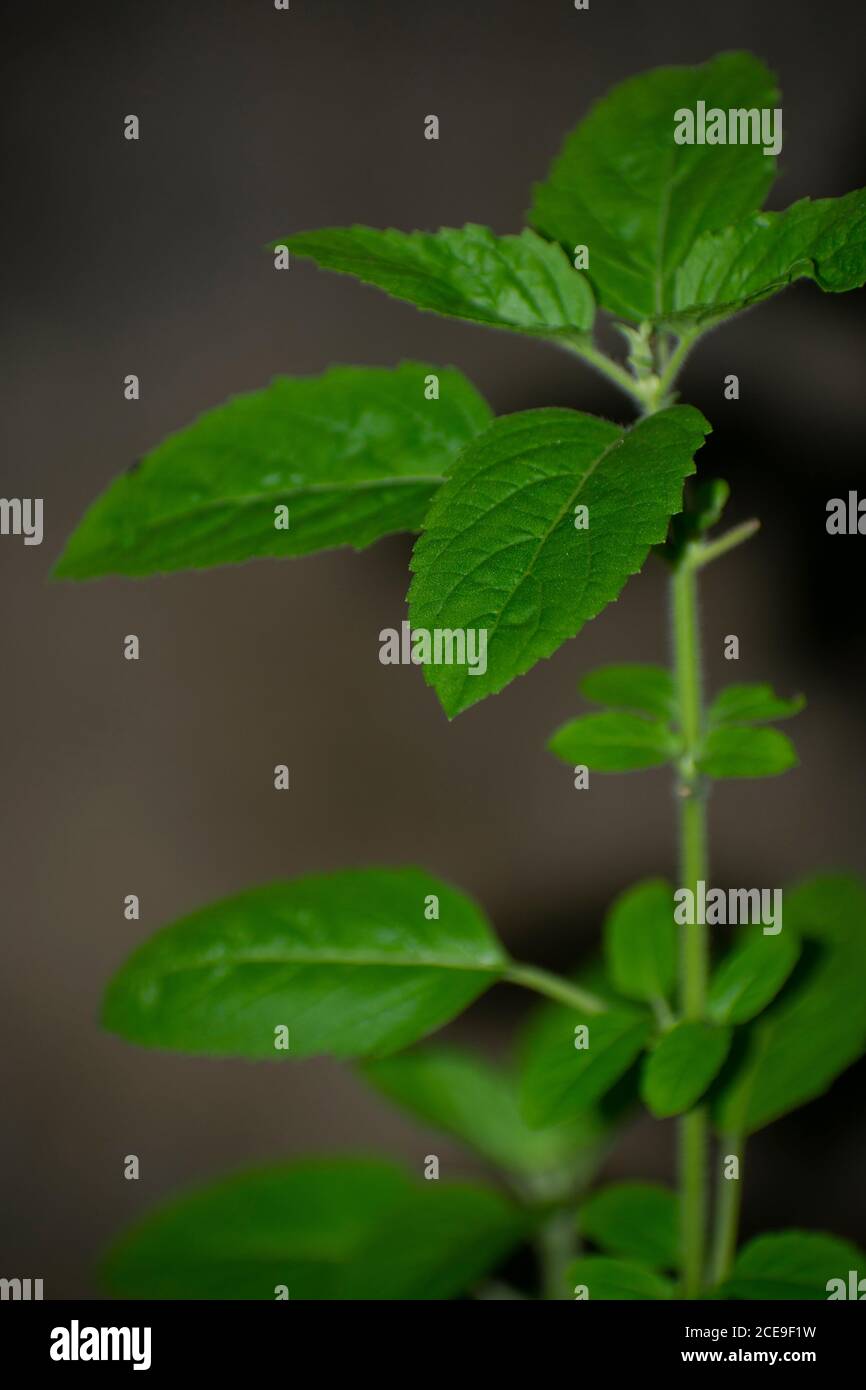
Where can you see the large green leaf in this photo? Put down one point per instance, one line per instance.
(347, 962)
(355, 454)
(615, 742)
(477, 1102)
(791, 1265)
(518, 282)
(638, 201)
(739, 751)
(751, 975)
(634, 1219)
(682, 1065)
(621, 1280)
(559, 1079)
(501, 554)
(641, 942)
(751, 704)
(331, 1229)
(728, 270)
(633, 687)
(817, 1025)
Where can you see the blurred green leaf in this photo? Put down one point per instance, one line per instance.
(682, 1065)
(751, 704)
(558, 1079)
(636, 1220)
(640, 941)
(751, 975)
(744, 752)
(634, 687)
(791, 1265)
(329, 1229)
(615, 742)
(604, 1278)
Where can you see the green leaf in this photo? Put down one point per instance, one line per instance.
(560, 1079)
(817, 1026)
(791, 1265)
(330, 1229)
(728, 270)
(743, 752)
(682, 1065)
(466, 1097)
(751, 704)
(347, 962)
(517, 282)
(640, 941)
(634, 1219)
(751, 975)
(638, 201)
(616, 1279)
(633, 687)
(355, 454)
(614, 742)
(500, 552)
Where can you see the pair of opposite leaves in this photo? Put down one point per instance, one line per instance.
(676, 238)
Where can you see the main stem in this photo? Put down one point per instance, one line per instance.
(693, 946)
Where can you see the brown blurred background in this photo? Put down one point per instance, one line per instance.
(156, 777)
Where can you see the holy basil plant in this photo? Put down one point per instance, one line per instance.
(528, 526)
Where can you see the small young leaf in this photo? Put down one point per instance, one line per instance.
(637, 1220)
(477, 1103)
(743, 752)
(559, 1078)
(623, 187)
(614, 742)
(604, 1278)
(347, 962)
(330, 1229)
(640, 941)
(791, 1265)
(728, 270)
(353, 455)
(751, 975)
(632, 687)
(682, 1065)
(517, 282)
(500, 552)
(818, 1025)
(751, 704)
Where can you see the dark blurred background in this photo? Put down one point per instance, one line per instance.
(156, 777)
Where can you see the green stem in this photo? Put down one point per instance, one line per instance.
(711, 550)
(585, 348)
(693, 945)
(554, 987)
(556, 1245)
(728, 1197)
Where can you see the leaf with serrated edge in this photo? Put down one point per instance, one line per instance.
(520, 282)
(347, 962)
(639, 201)
(727, 270)
(500, 552)
(355, 454)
